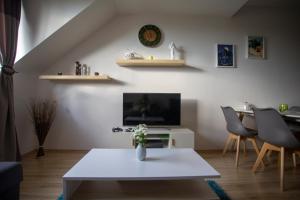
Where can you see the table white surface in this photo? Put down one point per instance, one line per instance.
(290, 114)
(121, 164)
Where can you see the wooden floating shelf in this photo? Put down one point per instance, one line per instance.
(75, 78)
(150, 63)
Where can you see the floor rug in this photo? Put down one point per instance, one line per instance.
(218, 190)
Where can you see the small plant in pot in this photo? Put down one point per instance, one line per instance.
(42, 113)
(139, 135)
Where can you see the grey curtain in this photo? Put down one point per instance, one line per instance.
(10, 11)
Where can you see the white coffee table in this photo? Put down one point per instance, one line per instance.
(122, 165)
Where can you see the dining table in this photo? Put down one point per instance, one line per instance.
(291, 117)
(288, 114)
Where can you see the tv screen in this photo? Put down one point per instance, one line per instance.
(153, 109)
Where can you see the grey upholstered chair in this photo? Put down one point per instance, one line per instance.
(277, 136)
(294, 125)
(237, 132)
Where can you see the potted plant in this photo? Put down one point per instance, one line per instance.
(139, 135)
(42, 113)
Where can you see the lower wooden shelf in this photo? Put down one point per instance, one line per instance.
(74, 78)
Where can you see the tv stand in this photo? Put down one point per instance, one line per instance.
(157, 129)
(160, 137)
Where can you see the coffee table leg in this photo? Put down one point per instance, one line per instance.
(69, 187)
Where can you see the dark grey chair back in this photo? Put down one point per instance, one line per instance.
(272, 128)
(234, 124)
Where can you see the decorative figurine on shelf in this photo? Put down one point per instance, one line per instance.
(151, 57)
(172, 48)
(96, 73)
(130, 55)
(84, 70)
(88, 71)
(77, 68)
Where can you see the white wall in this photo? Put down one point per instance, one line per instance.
(24, 90)
(88, 111)
(40, 19)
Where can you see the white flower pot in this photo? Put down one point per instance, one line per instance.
(141, 152)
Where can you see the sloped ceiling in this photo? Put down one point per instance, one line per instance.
(40, 19)
(100, 11)
(68, 36)
(223, 8)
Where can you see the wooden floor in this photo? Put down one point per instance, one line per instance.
(42, 177)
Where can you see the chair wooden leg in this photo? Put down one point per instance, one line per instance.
(260, 157)
(245, 147)
(282, 168)
(279, 161)
(233, 145)
(237, 151)
(294, 160)
(264, 149)
(227, 144)
(295, 153)
(254, 144)
(269, 155)
(253, 141)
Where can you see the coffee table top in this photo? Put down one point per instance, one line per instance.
(121, 164)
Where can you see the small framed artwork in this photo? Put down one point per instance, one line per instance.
(225, 55)
(255, 47)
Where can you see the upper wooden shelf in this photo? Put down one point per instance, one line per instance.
(154, 63)
(75, 77)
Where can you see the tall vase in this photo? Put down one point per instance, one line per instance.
(141, 152)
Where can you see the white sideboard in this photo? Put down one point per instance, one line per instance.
(176, 137)
(183, 138)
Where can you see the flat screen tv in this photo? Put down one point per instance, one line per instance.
(152, 109)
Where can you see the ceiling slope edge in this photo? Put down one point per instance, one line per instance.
(68, 36)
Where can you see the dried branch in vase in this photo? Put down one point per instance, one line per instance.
(42, 113)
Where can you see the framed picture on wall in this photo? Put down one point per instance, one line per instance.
(255, 47)
(225, 55)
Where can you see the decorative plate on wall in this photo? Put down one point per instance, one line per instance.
(150, 35)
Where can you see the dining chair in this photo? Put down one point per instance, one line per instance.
(277, 136)
(294, 125)
(237, 133)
